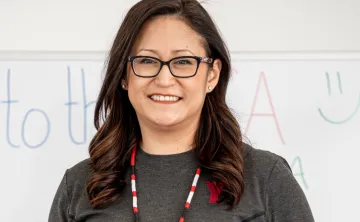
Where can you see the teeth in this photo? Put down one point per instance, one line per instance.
(164, 98)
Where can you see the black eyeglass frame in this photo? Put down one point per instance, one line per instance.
(167, 63)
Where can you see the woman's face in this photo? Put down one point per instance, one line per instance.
(164, 38)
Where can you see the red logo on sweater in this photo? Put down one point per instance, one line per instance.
(215, 189)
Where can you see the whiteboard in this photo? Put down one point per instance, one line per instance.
(307, 110)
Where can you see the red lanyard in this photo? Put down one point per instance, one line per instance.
(134, 195)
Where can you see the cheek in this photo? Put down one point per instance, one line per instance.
(136, 89)
(200, 81)
(196, 90)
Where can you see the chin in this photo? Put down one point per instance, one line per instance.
(164, 122)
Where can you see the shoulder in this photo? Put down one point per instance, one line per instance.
(262, 160)
(80, 167)
(71, 192)
(270, 184)
(263, 164)
(79, 170)
(77, 176)
(258, 175)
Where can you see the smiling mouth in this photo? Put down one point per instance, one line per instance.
(164, 99)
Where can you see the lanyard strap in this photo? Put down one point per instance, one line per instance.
(134, 195)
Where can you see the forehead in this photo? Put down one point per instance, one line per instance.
(166, 34)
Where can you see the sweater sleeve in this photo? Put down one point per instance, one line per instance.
(61, 203)
(286, 201)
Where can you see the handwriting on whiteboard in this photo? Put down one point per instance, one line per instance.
(347, 118)
(42, 116)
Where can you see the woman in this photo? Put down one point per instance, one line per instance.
(167, 146)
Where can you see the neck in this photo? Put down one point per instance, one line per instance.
(168, 141)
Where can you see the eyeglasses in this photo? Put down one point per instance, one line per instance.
(180, 67)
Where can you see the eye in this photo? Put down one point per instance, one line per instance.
(183, 62)
(146, 61)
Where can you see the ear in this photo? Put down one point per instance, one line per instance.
(214, 75)
(124, 84)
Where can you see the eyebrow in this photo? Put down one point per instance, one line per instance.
(173, 51)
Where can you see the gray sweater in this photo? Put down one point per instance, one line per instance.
(163, 182)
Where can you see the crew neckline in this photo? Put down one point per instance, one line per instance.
(188, 153)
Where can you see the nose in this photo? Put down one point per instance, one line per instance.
(165, 78)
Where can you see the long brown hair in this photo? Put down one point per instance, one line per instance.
(218, 138)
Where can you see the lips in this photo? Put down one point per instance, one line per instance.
(164, 98)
